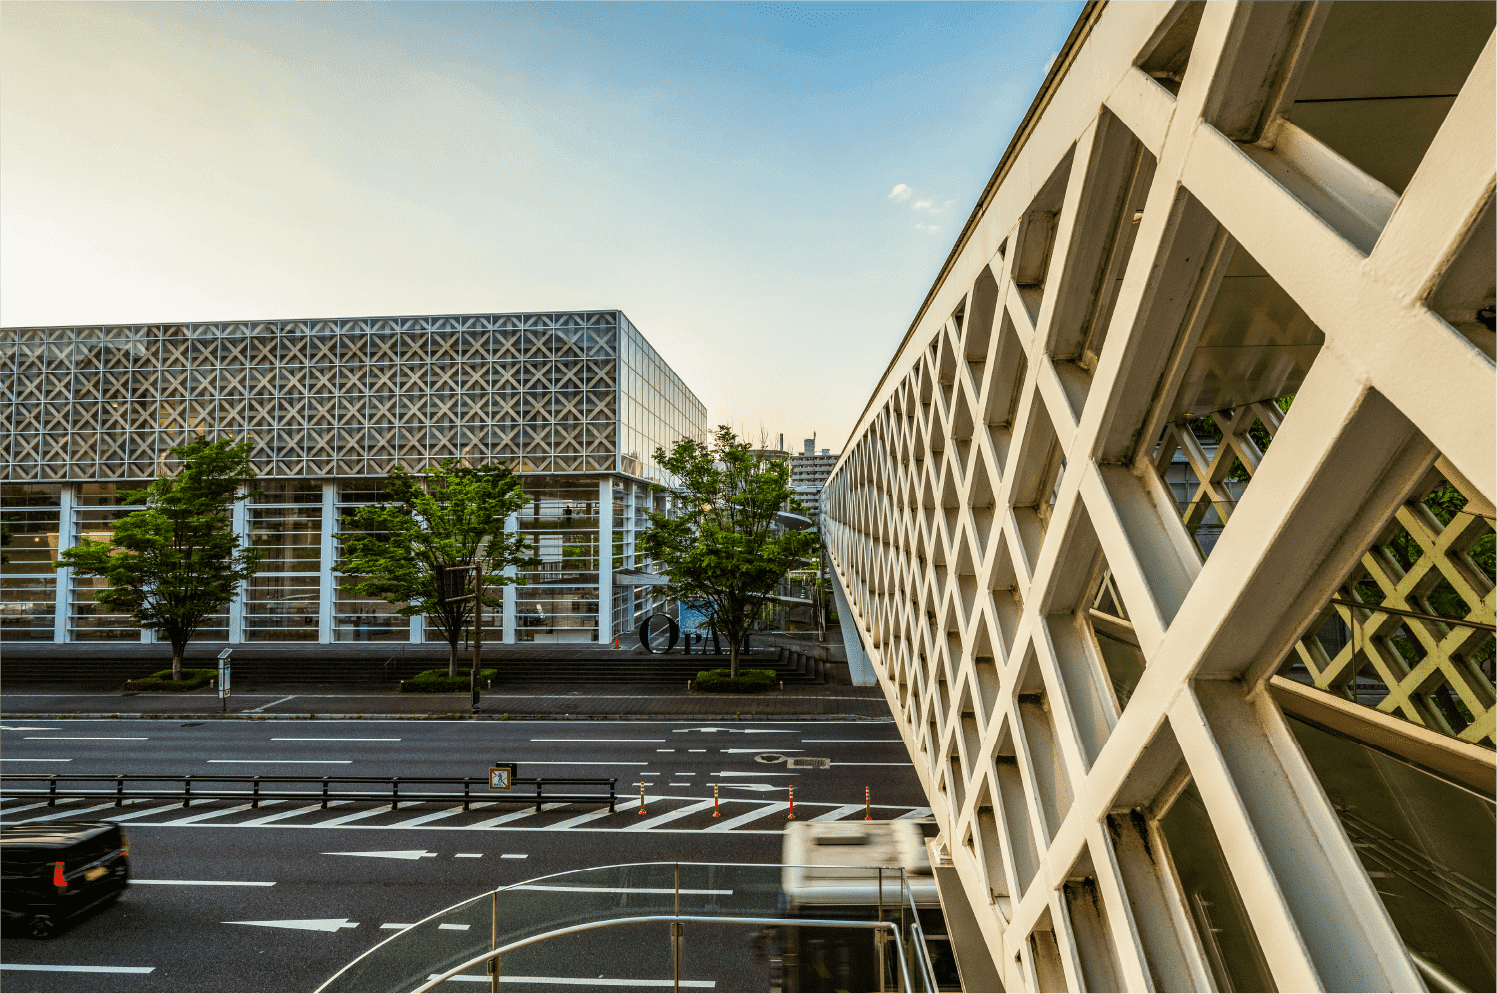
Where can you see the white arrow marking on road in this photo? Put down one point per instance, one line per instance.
(29, 728)
(777, 752)
(306, 924)
(51, 968)
(387, 854)
(205, 883)
(740, 731)
(752, 773)
(483, 978)
(752, 786)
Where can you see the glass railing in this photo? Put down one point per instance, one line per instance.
(757, 938)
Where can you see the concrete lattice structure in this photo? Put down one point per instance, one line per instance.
(576, 402)
(1206, 379)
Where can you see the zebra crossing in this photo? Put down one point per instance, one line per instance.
(665, 813)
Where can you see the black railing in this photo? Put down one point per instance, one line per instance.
(256, 793)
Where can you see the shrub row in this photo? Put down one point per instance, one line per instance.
(438, 682)
(747, 681)
(162, 680)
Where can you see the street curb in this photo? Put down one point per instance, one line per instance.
(214, 716)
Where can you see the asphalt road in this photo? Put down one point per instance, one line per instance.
(280, 897)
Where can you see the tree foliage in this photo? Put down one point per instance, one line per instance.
(448, 517)
(177, 560)
(721, 543)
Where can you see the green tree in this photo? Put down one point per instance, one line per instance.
(177, 560)
(451, 516)
(722, 544)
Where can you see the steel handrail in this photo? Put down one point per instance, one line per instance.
(890, 927)
(394, 797)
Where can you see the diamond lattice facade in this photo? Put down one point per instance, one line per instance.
(576, 402)
(1168, 530)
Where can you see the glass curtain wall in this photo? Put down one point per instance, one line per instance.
(357, 618)
(29, 518)
(559, 601)
(97, 506)
(283, 600)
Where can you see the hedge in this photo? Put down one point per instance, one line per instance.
(438, 682)
(162, 680)
(747, 681)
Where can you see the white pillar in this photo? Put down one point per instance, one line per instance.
(511, 525)
(236, 606)
(418, 627)
(605, 561)
(328, 594)
(67, 535)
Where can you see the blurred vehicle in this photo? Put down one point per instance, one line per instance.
(852, 870)
(55, 872)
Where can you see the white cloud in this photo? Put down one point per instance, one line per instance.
(922, 205)
(901, 193)
(932, 228)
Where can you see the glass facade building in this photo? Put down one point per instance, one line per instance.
(575, 402)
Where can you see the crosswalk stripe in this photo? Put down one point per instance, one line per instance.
(763, 811)
(356, 816)
(279, 815)
(65, 814)
(144, 813)
(514, 816)
(205, 815)
(456, 809)
(649, 823)
(837, 814)
(581, 819)
(38, 804)
(916, 813)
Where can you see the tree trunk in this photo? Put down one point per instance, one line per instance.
(457, 633)
(179, 649)
(733, 658)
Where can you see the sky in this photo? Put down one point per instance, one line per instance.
(766, 190)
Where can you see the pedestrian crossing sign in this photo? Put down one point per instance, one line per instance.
(502, 776)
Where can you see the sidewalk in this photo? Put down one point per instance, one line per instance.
(527, 701)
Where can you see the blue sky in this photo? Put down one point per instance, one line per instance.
(724, 173)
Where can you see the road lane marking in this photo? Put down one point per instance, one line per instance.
(262, 707)
(681, 812)
(142, 814)
(484, 978)
(335, 740)
(621, 762)
(515, 855)
(64, 814)
(873, 764)
(356, 816)
(467, 855)
(204, 883)
(278, 816)
(514, 816)
(89, 738)
(454, 928)
(760, 751)
(397, 925)
(456, 809)
(581, 819)
(38, 804)
(7, 759)
(307, 924)
(192, 819)
(298, 762)
(881, 741)
(51, 968)
(28, 728)
(598, 740)
(566, 889)
(388, 853)
(837, 814)
(758, 773)
(763, 811)
(916, 813)
(665, 750)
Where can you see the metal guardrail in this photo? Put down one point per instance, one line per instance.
(121, 790)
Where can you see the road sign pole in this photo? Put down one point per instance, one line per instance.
(477, 632)
(223, 681)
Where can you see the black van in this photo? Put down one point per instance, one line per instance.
(58, 870)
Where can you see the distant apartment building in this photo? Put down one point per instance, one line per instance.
(808, 474)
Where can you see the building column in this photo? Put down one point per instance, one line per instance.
(328, 595)
(605, 561)
(236, 606)
(67, 535)
(418, 628)
(511, 525)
